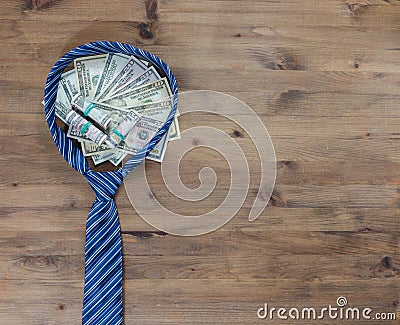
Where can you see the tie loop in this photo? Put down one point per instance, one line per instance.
(104, 184)
(71, 153)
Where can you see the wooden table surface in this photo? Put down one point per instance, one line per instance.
(324, 78)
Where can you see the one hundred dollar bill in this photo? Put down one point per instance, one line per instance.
(151, 92)
(89, 109)
(140, 135)
(65, 92)
(62, 104)
(153, 111)
(102, 157)
(87, 71)
(146, 77)
(68, 80)
(174, 131)
(149, 109)
(118, 157)
(113, 64)
(89, 148)
(131, 70)
(81, 129)
(157, 110)
(158, 152)
(114, 156)
(120, 132)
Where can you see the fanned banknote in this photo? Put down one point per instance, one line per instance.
(62, 104)
(151, 92)
(88, 70)
(66, 91)
(132, 68)
(113, 64)
(146, 77)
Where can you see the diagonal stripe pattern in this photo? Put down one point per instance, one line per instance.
(102, 301)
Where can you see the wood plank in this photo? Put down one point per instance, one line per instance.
(67, 268)
(336, 13)
(288, 172)
(251, 49)
(248, 243)
(59, 219)
(300, 219)
(307, 196)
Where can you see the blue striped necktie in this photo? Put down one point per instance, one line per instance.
(102, 301)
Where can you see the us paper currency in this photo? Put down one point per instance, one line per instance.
(151, 92)
(62, 105)
(158, 152)
(174, 131)
(126, 99)
(113, 64)
(114, 156)
(90, 110)
(89, 148)
(140, 135)
(117, 158)
(102, 157)
(88, 70)
(69, 82)
(157, 111)
(82, 129)
(66, 89)
(65, 92)
(121, 131)
(132, 69)
(161, 108)
(146, 77)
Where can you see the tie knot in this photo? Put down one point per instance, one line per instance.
(104, 184)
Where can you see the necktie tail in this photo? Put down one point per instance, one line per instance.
(102, 302)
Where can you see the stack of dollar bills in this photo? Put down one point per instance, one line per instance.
(113, 104)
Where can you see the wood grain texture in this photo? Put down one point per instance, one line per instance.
(324, 78)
